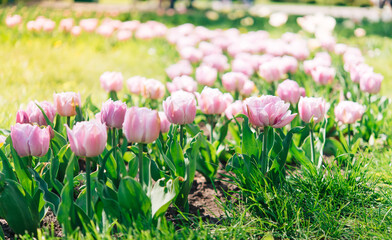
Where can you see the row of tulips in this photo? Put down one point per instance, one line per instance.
(136, 156)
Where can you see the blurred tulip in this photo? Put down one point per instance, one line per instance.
(66, 103)
(213, 101)
(217, 61)
(309, 107)
(153, 89)
(89, 25)
(76, 31)
(270, 71)
(141, 125)
(30, 140)
(179, 69)
(233, 109)
(349, 112)
(323, 75)
(268, 111)
(113, 113)
(180, 107)
(2, 140)
(206, 75)
(248, 88)
(191, 54)
(135, 84)
(289, 91)
(88, 138)
(165, 124)
(184, 83)
(124, 35)
(66, 24)
(234, 81)
(111, 81)
(35, 114)
(370, 82)
(13, 20)
(278, 19)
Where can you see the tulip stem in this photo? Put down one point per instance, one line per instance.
(88, 187)
(141, 145)
(212, 124)
(348, 135)
(182, 136)
(313, 154)
(236, 95)
(264, 159)
(114, 146)
(69, 122)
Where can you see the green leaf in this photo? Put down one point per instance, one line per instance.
(249, 143)
(207, 161)
(52, 199)
(45, 116)
(22, 172)
(133, 199)
(162, 196)
(7, 168)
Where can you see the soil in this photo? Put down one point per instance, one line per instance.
(203, 203)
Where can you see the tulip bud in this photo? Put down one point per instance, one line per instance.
(165, 124)
(111, 81)
(349, 112)
(289, 91)
(113, 113)
(88, 138)
(66, 103)
(180, 107)
(371, 82)
(141, 125)
(30, 140)
(213, 101)
(268, 111)
(310, 107)
(35, 114)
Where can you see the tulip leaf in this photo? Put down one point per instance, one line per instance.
(162, 196)
(109, 199)
(22, 172)
(7, 168)
(207, 161)
(133, 199)
(249, 142)
(166, 159)
(50, 198)
(177, 155)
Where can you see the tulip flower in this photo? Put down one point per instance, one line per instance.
(66, 25)
(76, 31)
(267, 111)
(22, 117)
(87, 139)
(248, 88)
(234, 109)
(142, 125)
(234, 82)
(371, 82)
(66, 104)
(113, 113)
(323, 75)
(30, 140)
(184, 83)
(349, 112)
(165, 123)
(270, 71)
(289, 91)
(112, 82)
(135, 84)
(213, 102)
(312, 110)
(206, 75)
(153, 89)
(35, 114)
(13, 20)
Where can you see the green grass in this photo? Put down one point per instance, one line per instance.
(340, 203)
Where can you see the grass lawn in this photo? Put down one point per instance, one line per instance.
(351, 203)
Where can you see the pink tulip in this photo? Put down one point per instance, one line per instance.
(290, 64)
(165, 124)
(309, 107)
(349, 112)
(13, 20)
(130, 25)
(180, 107)
(22, 117)
(248, 88)
(141, 125)
(179, 69)
(234, 109)
(48, 25)
(191, 54)
(124, 35)
(340, 48)
(208, 48)
(371, 82)
(66, 25)
(89, 25)
(153, 89)
(88, 138)
(184, 83)
(206, 75)
(278, 19)
(66, 103)
(357, 71)
(323, 75)
(242, 66)
(76, 31)
(289, 91)
(135, 84)
(323, 59)
(111, 81)
(217, 61)
(268, 111)
(271, 71)
(213, 101)
(35, 114)
(30, 140)
(234, 81)
(113, 113)
(105, 30)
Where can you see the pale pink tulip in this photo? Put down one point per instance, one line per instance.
(370, 82)
(113, 113)
(191, 54)
(30, 140)
(76, 31)
(217, 61)
(111, 81)
(22, 117)
(105, 30)
(213, 101)
(66, 103)
(271, 71)
(12, 21)
(165, 124)
(248, 88)
(243, 66)
(88, 138)
(185, 83)
(349, 112)
(289, 91)
(278, 19)
(124, 35)
(66, 24)
(153, 89)
(141, 125)
(179, 69)
(323, 75)
(233, 109)
(290, 64)
(268, 111)
(234, 81)
(180, 107)
(310, 107)
(89, 25)
(135, 84)
(206, 75)
(35, 114)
